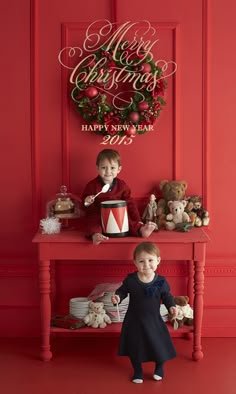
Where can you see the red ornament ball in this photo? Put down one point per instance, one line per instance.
(91, 92)
(146, 68)
(131, 131)
(143, 105)
(134, 117)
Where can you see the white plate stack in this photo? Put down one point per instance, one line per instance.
(164, 312)
(79, 307)
(116, 313)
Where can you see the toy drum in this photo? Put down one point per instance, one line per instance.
(114, 218)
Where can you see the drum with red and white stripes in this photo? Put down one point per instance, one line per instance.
(114, 218)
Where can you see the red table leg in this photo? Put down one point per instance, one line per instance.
(45, 309)
(190, 283)
(53, 287)
(198, 308)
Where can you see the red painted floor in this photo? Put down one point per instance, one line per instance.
(90, 366)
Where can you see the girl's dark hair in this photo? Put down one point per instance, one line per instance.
(148, 247)
(109, 154)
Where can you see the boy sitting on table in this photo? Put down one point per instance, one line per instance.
(108, 166)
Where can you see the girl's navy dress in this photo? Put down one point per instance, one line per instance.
(144, 335)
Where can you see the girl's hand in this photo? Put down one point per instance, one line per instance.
(173, 311)
(115, 299)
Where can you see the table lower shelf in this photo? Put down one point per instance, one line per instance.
(113, 330)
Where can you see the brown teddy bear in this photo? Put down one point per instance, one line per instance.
(185, 312)
(171, 191)
(198, 215)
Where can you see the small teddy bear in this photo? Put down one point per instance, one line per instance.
(198, 215)
(177, 214)
(97, 317)
(184, 312)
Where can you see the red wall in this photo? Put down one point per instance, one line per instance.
(42, 144)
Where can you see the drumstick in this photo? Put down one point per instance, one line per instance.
(117, 308)
(118, 312)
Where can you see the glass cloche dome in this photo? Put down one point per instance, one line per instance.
(65, 205)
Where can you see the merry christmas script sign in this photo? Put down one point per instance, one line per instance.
(117, 85)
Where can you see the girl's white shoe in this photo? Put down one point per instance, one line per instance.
(137, 380)
(157, 377)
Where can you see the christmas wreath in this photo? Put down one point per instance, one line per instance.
(132, 110)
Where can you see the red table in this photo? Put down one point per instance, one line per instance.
(72, 245)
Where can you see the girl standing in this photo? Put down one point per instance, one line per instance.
(144, 335)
